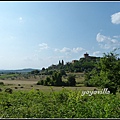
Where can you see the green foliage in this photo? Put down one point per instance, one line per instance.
(40, 82)
(48, 81)
(43, 69)
(63, 104)
(0, 90)
(35, 72)
(62, 72)
(56, 80)
(106, 74)
(88, 65)
(1, 83)
(9, 90)
(71, 80)
(79, 66)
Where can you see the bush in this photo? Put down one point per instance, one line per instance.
(71, 80)
(0, 90)
(62, 72)
(40, 82)
(57, 78)
(1, 83)
(9, 90)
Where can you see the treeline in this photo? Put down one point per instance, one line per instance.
(79, 66)
(82, 65)
(56, 80)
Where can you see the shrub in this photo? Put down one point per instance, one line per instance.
(40, 82)
(57, 78)
(0, 90)
(9, 90)
(62, 72)
(1, 83)
(71, 80)
(37, 89)
(45, 83)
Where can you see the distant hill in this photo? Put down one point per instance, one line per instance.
(18, 71)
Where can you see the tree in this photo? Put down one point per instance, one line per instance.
(106, 74)
(59, 62)
(62, 62)
(35, 72)
(48, 81)
(43, 69)
(57, 78)
(71, 80)
(62, 72)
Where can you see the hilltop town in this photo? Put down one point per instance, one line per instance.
(85, 63)
(86, 56)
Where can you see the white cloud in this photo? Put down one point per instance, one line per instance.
(96, 53)
(114, 41)
(105, 46)
(107, 42)
(78, 49)
(68, 50)
(117, 36)
(115, 18)
(63, 50)
(43, 46)
(101, 38)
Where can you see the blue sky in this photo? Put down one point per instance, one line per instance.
(39, 34)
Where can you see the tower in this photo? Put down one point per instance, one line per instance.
(86, 55)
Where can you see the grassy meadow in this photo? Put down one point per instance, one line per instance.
(29, 82)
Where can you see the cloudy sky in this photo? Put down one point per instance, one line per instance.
(39, 34)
